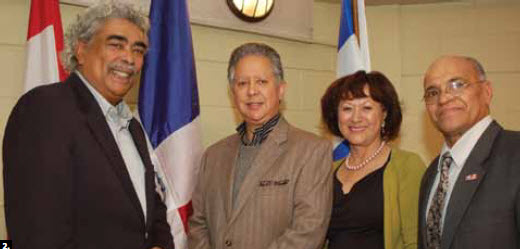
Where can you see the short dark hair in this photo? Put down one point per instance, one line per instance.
(351, 87)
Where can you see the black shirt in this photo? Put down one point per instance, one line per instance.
(357, 217)
(259, 134)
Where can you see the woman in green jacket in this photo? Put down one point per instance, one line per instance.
(376, 187)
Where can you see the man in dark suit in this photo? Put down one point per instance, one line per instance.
(470, 194)
(77, 171)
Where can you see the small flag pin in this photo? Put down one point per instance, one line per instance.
(471, 177)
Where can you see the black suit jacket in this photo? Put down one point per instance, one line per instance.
(484, 208)
(65, 181)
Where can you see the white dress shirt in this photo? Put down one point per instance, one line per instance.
(118, 118)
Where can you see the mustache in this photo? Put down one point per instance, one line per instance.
(122, 66)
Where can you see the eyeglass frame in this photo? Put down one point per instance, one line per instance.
(448, 89)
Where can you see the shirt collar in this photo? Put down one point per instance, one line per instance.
(260, 133)
(119, 114)
(462, 148)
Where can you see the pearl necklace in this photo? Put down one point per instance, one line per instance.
(364, 163)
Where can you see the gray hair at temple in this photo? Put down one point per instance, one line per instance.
(255, 49)
(477, 66)
(90, 21)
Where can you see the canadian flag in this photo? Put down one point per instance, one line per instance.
(44, 43)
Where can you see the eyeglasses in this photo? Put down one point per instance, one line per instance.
(453, 87)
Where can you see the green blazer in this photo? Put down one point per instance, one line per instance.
(401, 182)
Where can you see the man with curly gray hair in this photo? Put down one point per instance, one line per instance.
(77, 172)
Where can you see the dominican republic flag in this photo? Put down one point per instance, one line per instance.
(352, 50)
(169, 110)
(44, 44)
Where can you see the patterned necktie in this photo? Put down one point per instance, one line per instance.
(433, 221)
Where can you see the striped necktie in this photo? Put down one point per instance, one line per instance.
(433, 220)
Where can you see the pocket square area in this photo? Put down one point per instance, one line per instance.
(281, 182)
(265, 183)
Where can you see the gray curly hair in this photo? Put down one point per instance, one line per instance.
(255, 49)
(89, 22)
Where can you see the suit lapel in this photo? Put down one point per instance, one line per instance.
(140, 142)
(428, 179)
(228, 163)
(101, 132)
(269, 152)
(464, 190)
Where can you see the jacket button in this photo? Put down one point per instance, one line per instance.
(228, 243)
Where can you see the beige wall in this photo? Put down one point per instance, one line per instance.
(403, 41)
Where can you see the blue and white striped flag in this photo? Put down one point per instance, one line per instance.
(169, 109)
(353, 52)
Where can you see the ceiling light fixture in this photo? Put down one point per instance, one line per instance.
(251, 10)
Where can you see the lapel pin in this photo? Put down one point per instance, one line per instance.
(471, 177)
